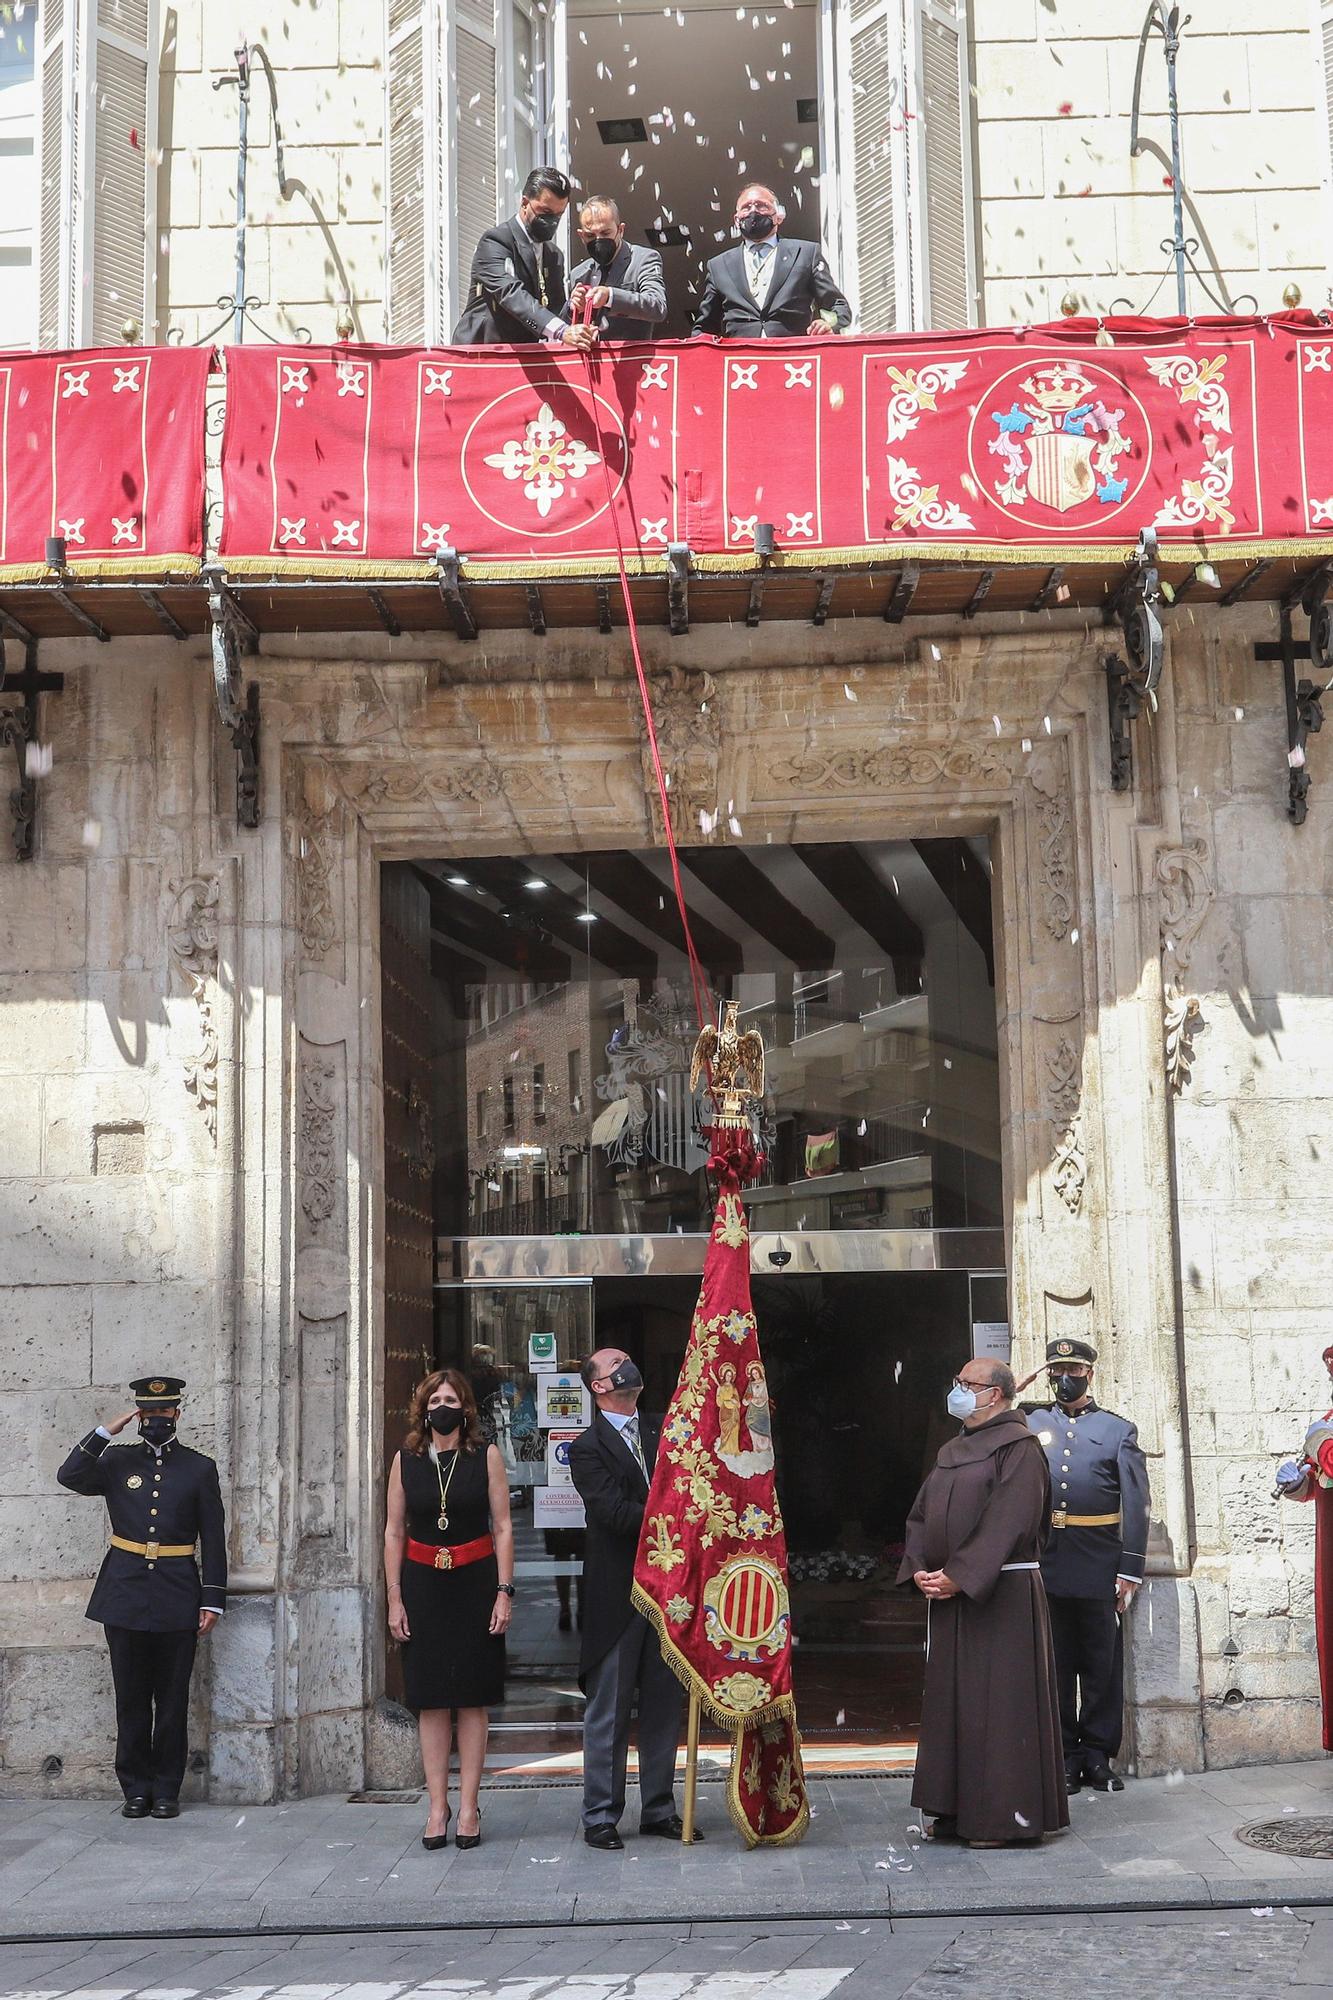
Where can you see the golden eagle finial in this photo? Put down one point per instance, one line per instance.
(730, 1057)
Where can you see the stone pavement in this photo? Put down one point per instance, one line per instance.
(1225, 1955)
(77, 1869)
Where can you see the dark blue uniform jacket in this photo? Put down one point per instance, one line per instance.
(1097, 1467)
(169, 1498)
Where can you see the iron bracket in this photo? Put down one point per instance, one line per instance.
(1131, 680)
(449, 575)
(1305, 698)
(18, 731)
(231, 634)
(678, 588)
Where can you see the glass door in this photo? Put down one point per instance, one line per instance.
(521, 1346)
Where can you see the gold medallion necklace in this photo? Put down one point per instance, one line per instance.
(444, 1486)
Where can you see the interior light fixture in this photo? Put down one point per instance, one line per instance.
(458, 882)
(535, 883)
(587, 917)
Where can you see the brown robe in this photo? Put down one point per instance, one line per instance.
(989, 1754)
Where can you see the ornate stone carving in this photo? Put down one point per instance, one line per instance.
(689, 742)
(192, 937)
(1064, 1103)
(1184, 895)
(389, 788)
(478, 783)
(318, 823)
(876, 767)
(1055, 840)
(316, 1138)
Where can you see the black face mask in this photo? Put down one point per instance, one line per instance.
(603, 250)
(445, 1418)
(157, 1430)
(1070, 1388)
(542, 227)
(756, 227)
(627, 1376)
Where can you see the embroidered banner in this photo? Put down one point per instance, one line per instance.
(992, 445)
(711, 1572)
(106, 449)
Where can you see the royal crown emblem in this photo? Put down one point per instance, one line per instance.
(1072, 438)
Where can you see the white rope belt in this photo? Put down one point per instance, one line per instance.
(1005, 1566)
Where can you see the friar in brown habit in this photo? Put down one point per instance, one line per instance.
(989, 1769)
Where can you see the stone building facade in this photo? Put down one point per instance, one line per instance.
(193, 1111)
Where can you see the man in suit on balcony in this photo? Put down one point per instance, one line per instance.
(770, 286)
(516, 291)
(622, 283)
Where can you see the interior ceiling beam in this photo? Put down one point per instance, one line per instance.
(555, 913)
(477, 930)
(628, 882)
(760, 907)
(844, 873)
(966, 884)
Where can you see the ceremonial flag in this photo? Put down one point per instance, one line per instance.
(711, 1571)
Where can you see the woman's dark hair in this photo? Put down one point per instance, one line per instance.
(546, 180)
(418, 1436)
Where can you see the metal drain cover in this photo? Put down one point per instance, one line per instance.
(1310, 1836)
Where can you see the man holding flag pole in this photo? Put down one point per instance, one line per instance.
(711, 1571)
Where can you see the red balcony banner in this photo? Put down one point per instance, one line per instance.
(105, 449)
(993, 446)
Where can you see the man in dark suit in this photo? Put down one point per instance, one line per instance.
(162, 1498)
(611, 1464)
(771, 286)
(1094, 1559)
(516, 291)
(623, 283)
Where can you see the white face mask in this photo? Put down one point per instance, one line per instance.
(962, 1402)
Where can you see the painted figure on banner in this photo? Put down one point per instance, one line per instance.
(516, 288)
(770, 286)
(1310, 1477)
(728, 1414)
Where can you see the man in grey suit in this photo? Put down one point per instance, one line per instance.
(771, 286)
(516, 291)
(623, 283)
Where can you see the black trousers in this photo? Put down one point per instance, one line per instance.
(1089, 1673)
(151, 1673)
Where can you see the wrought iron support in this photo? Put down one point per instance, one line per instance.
(822, 602)
(18, 732)
(1054, 578)
(1305, 698)
(238, 711)
(755, 608)
(604, 609)
(980, 594)
(1132, 680)
(678, 588)
(449, 574)
(904, 590)
(536, 611)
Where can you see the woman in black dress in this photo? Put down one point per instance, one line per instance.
(449, 1567)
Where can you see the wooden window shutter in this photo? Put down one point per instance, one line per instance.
(55, 134)
(942, 157)
(874, 71)
(412, 209)
(121, 179)
(1326, 23)
(476, 179)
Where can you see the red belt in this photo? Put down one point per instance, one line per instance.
(454, 1558)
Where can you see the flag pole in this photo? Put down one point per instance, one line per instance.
(691, 1769)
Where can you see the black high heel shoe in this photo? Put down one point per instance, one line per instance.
(470, 1839)
(433, 1841)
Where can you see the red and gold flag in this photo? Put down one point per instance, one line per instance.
(711, 1571)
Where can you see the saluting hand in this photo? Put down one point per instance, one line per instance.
(207, 1620)
(117, 1424)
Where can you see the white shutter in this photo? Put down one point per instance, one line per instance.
(55, 127)
(874, 72)
(120, 180)
(411, 210)
(941, 156)
(97, 216)
(476, 179)
(1327, 25)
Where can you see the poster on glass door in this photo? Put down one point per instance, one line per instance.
(557, 1504)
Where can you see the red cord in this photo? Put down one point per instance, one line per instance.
(698, 978)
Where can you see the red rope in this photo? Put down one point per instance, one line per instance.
(698, 978)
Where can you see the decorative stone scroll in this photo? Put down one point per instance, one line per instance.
(319, 824)
(1064, 1105)
(877, 767)
(1184, 896)
(192, 937)
(1055, 840)
(317, 1136)
(689, 742)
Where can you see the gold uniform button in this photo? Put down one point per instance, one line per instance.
(152, 1510)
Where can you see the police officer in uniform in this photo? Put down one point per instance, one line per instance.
(1093, 1561)
(149, 1596)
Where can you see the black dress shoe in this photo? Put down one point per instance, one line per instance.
(165, 1809)
(1101, 1777)
(136, 1808)
(669, 1829)
(605, 1837)
(1073, 1777)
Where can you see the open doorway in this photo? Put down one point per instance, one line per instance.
(673, 109)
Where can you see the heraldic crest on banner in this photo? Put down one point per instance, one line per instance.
(1068, 440)
(711, 1573)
